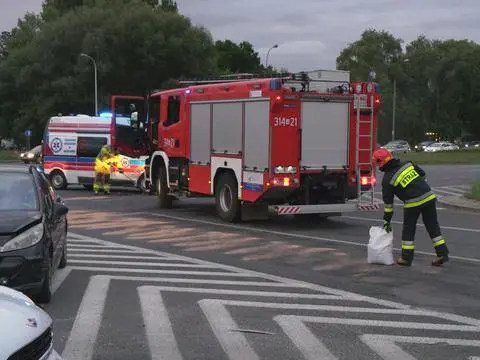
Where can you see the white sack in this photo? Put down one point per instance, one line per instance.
(380, 246)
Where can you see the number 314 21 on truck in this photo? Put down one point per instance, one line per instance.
(258, 145)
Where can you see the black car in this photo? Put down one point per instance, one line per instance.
(33, 232)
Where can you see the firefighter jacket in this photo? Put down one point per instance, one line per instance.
(105, 160)
(405, 180)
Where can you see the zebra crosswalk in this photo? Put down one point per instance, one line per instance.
(115, 301)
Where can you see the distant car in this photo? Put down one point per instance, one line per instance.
(25, 329)
(397, 146)
(33, 232)
(32, 156)
(421, 146)
(441, 146)
(472, 145)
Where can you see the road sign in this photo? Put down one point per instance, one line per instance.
(28, 133)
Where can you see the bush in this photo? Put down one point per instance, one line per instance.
(474, 192)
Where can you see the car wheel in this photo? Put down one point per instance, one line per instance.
(63, 260)
(44, 296)
(59, 181)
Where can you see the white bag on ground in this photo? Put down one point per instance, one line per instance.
(380, 246)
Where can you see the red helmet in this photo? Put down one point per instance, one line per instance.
(381, 156)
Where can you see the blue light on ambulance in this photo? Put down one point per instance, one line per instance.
(106, 115)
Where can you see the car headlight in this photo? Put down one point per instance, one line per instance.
(30, 155)
(26, 239)
(22, 154)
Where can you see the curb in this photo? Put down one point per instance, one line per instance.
(460, 203)
(9, 161)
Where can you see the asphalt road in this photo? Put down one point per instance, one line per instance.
(180, 284)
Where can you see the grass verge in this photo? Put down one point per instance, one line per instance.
(8, 155)
(474, 192)
(444, 157)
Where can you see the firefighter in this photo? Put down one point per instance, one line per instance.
(406, 180)
(107, 159)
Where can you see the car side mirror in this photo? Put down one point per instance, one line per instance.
(60, 209)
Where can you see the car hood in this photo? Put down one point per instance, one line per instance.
(16, 330)
(13, 221)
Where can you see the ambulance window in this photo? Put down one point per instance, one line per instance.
(173, 110)
(90, 146)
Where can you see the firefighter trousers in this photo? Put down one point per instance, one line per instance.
(430, 220)
(102, 179)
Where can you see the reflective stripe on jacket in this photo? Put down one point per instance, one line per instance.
(405, 180)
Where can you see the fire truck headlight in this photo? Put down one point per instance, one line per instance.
(279, 170)
(291, 169)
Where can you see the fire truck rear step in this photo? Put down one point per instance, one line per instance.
(321, 209)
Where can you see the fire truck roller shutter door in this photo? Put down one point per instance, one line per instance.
(257, 135)
(325, 127)
(200, 133)
(227, 127)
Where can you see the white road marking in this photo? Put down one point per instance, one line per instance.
(137, 263)
(280, 281)
(109, 251)
(308, 237)
(305, 341)
(159, 332)
(379, 323)
(59, 278)
(310, 346)
(158, 328)
(82, 338)
(237, 292)
(385, 346)
(418, 224)
(234, 344)
(165, 272)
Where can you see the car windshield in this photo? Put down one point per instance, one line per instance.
(436, 145)
(17, 192)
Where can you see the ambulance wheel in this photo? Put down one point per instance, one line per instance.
(163, 197)
(226, 198)
(142, 184)
(59, 182)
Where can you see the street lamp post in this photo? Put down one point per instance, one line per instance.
(96, 83)
(268, 54)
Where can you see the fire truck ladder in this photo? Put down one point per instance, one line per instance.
(366, 198)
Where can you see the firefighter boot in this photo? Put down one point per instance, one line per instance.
(106, 189)
(407, 254)
(442, 251)
(404, 262)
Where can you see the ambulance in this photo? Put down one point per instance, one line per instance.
(71, 144)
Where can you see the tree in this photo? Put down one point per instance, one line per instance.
(168, 5)
(4, 39)
(136, 50)
(379, 51)
(237, 58)
(437, 83)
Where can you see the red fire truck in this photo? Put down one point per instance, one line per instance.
(258, 145)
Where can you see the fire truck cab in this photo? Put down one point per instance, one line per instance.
(259, 145)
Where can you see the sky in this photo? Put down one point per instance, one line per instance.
(310, 33)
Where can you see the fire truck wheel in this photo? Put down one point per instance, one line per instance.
(58, 180)
(163, 197)
(226, 199)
